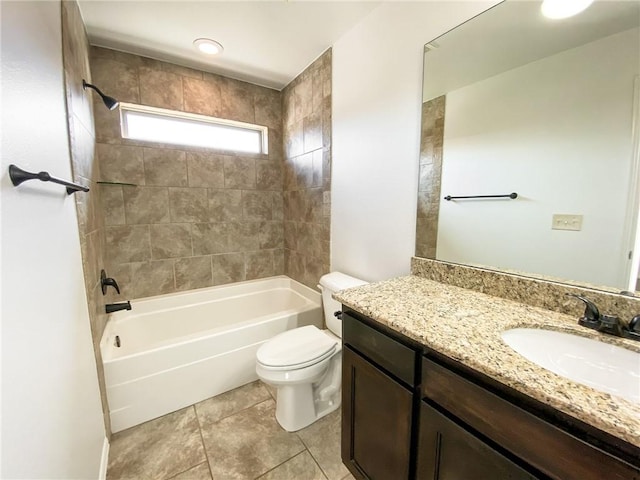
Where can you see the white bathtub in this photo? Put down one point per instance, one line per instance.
(182, 348)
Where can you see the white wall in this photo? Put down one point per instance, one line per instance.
(377, 94)
(51, 415)
(558, 132)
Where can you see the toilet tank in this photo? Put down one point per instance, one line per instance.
(329, 284)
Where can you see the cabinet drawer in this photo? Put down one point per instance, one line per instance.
(386, 352)
(540, 444)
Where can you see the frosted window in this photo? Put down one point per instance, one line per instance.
(167, 126)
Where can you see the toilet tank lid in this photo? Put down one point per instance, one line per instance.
(336, 281)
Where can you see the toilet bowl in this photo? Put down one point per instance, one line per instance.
(304, 364)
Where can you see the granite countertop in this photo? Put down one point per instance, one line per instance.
(466, 325)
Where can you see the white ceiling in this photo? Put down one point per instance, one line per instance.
(265, 42)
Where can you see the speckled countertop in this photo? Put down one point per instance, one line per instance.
(466, 325)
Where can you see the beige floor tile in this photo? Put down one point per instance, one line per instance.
(349, 477)
(300, 467)
(158, 449)
(226, 404)
(199, 472)
(249, 443)
(273, 390)
(322, 438)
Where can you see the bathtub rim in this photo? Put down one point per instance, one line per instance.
(313, 297)
(313, 294)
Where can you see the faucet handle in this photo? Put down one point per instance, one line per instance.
(632, 330)
(108, 282)
(591, 316)
(634, 324)
(610, 324)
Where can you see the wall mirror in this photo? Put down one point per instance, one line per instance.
(514, 102)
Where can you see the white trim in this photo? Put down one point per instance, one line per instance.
(104, 460)
(632, 239)
(194, 117)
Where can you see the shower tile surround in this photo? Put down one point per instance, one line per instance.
(196, 217)
(199, 217)
(85, 168)
(217, 438)
(431, 141)
(306, 110)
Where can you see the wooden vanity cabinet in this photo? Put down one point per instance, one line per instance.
(462, 414)
(412, 413)
(379, 390)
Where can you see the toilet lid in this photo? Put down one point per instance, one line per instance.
(296, 348)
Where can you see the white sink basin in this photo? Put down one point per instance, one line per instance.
(599, 365)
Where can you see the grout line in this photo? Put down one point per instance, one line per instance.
(319, 466)
(264, 385)
(204, 446)
(144, 170)
(190, 468)
(137, 68)
(241, 410)
(282, 463)
(175, 276)
(305, 444)
(217, 421)
(191, 225)
(213, 277)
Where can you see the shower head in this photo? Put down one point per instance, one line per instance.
(109, 102)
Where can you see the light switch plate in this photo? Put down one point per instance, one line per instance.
(566, 222)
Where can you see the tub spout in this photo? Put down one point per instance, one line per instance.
(116, 307)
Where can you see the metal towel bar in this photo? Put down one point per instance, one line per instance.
(18, 176)
(510, 195)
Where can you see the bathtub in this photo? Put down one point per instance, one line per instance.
(179, 349)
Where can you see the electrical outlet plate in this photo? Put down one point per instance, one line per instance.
(567, 222)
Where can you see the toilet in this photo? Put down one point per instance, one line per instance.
(304, 364)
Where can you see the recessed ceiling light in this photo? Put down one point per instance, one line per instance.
(208, 46)
(563, 8)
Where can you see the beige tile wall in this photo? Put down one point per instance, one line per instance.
(197, 217)
(86, 172)
(307, 172)
(431, 140)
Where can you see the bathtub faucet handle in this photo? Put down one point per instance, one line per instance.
(108, 282)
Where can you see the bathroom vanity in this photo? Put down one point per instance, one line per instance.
(430, 391)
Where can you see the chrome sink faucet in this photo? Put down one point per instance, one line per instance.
(607, 323)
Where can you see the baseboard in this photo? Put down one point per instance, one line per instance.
(104, 461)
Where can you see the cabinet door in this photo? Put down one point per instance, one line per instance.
(446, 451)
(376, 421)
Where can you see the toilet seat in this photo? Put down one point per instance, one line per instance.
(295, 349)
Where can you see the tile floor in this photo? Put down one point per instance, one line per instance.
(232, 436)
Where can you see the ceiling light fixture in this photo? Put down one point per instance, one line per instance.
(557, 9)
(208, 46)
